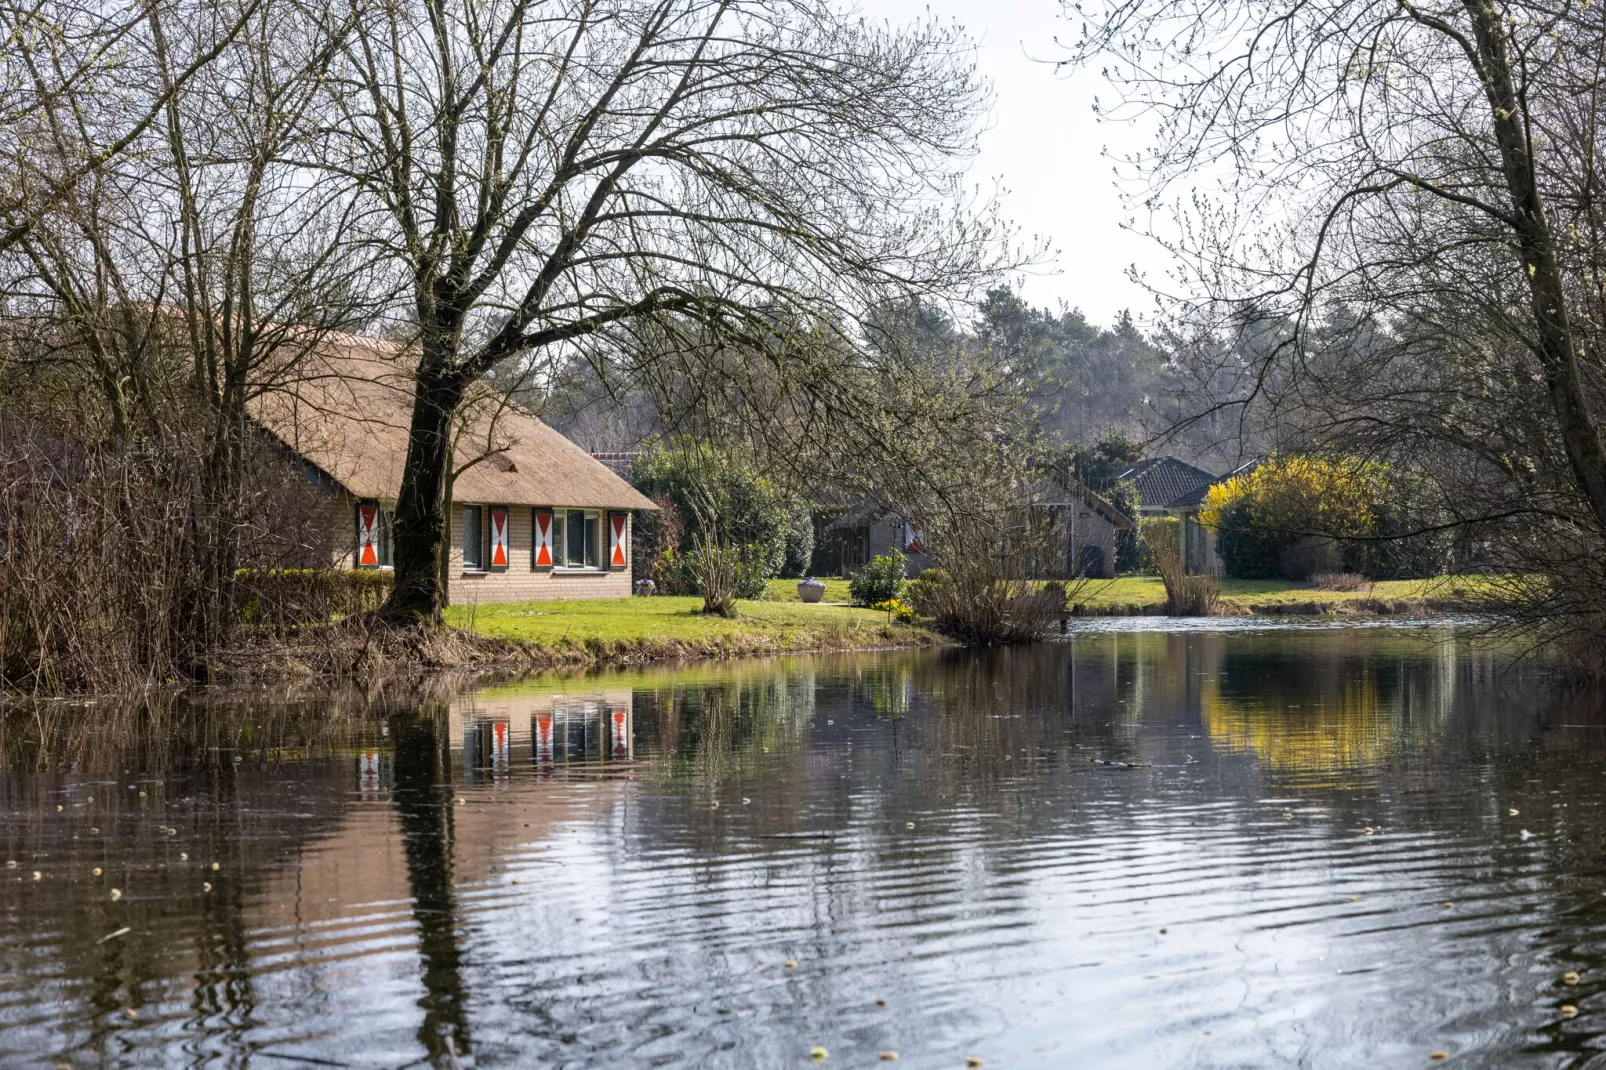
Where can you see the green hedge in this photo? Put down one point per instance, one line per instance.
(290, 596)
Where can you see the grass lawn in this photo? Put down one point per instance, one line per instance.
(1253, 594)
(786, 590)
(668, 626)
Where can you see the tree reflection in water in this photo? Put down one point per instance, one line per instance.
(424, 809)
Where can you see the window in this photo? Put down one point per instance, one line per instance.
(473, 537)
(581, 533)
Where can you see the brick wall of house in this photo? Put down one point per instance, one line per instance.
(520, 583)
(343, 522)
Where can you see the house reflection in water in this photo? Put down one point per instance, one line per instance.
(373, 774)
(494, 731)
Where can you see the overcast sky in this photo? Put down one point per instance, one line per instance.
(1044, 147)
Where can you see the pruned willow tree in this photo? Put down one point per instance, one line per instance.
(1408, 218)
(643, 185)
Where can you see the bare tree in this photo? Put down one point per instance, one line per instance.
(191, 273)
(95, 60)
(554, 177)
(1408, 217)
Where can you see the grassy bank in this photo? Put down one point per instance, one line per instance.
(1145, 595)
(1142, 595)
(626, 630)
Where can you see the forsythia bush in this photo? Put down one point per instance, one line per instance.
(1298, 514)
(1336, 497)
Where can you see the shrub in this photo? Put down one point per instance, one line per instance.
(798, 543)
(716, 496)
(1185, 596)
(726, 573)
(899, 610)
(974, 606)
(1247, 551)
(1296, 515)
(1131, 552)
(653, 535)
(879, 581)
(281, 597)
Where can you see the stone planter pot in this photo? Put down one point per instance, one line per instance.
(811, 592)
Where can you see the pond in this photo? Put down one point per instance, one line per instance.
(1320, 847)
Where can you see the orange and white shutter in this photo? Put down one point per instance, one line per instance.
(499, 550)
(541, 554)
(367, 534)
(543, 737)
(619, 733)
(618, 537)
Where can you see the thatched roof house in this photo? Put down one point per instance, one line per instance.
(533, 515)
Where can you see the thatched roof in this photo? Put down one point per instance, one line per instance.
(346, 410)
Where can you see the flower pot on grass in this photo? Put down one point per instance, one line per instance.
(810, 590)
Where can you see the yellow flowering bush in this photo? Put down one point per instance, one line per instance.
(901, 611)
(1305, 494)
(1290, 515)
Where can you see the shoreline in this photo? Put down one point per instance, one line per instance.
(1360, 608)
(355, 650)
(516, 639)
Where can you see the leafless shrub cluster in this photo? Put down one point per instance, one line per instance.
(1185, 595)
(103, 583)
(1339, 581)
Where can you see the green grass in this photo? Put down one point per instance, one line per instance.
(786, 590)
(1253, 594)
(677, 622)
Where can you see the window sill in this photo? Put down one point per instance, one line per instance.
(579, 572)
(475, 572)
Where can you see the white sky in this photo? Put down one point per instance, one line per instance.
(1044, 148)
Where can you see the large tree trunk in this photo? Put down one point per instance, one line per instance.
(420, 527)
(1557, 346)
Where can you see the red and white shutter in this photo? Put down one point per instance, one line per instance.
(541, 554)
(367, 534)
(501, 747)
(498, 538)
(618, 537)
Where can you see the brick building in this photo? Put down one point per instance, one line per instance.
(533, 516)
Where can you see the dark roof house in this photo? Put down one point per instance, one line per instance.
(1163, 481)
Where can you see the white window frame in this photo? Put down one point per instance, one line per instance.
(560, 520)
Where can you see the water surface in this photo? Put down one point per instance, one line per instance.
(1305, 847)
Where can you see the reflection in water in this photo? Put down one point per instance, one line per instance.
(1132, 849)
(424, 808)
(1334, 717)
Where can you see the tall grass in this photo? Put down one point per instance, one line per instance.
(1185, 595)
